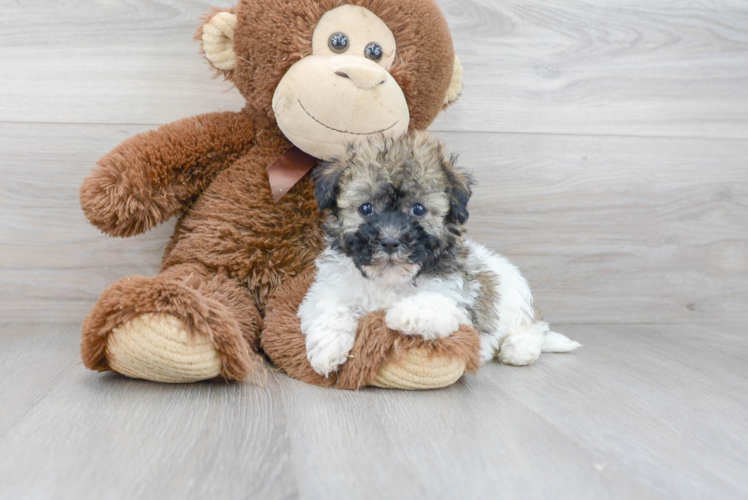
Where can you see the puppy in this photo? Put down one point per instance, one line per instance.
(394, 233)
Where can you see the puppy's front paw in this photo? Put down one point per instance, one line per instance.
(328, 348)
(431, 316)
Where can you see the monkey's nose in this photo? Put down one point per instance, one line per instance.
(390, 245)
(364, 73)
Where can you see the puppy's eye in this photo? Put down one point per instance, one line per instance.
(418, 210)
(338, 42)
(373, 51)
(366, 209)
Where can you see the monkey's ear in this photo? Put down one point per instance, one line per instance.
(461, 191)
(217, 35)
(327, 178)
(455, 86)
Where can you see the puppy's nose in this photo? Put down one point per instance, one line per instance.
(390, 245)
(364, 73)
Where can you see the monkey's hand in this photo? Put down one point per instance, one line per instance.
(156, 175)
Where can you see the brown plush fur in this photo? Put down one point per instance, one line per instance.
(210, 304)
(233, 247)
(154, 176)
(272, 35)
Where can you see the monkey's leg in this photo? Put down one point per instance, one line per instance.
(185, 325)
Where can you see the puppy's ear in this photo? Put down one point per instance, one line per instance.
(460, 190)
(326, 178)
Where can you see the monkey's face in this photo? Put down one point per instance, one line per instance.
(397, 206)
(343, 91)
(331, 72)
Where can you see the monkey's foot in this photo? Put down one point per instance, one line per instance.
(161, 348)
(418, 370)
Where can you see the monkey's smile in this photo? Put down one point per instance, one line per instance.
(344, 131)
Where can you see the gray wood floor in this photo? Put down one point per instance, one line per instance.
(610, 145)
(639, 412)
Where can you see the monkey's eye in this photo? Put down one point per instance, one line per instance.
(418, 210)
(338, 42)
(366, 209)
(373, 51)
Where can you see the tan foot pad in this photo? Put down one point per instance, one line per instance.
(159, 347)
(417, 370)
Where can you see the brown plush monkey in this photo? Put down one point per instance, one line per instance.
(316, 74)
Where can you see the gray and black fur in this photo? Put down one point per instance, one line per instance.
(393, 175)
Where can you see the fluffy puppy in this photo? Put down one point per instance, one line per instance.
(394, 233)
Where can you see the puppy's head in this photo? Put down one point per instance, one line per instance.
(396, 206)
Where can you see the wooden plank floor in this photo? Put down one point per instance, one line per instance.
(639, 412)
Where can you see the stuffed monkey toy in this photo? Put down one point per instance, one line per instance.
(316, 75)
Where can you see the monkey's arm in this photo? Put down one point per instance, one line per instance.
(156, 175)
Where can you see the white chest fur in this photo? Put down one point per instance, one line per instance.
(340, 281)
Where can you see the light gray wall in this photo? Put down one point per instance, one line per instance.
(609, 140)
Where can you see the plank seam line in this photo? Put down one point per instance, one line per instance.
(435, 130)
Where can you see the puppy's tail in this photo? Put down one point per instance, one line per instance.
(555, 342)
